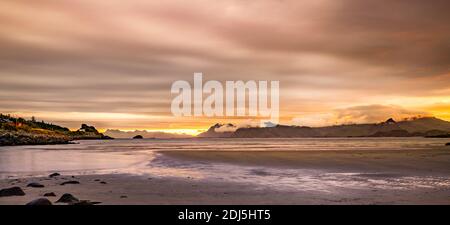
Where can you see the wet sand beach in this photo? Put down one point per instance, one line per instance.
(405, 162)
(167, 176)
(138, 190)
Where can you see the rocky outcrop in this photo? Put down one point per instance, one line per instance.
(18, 131)
(9, 138)
(87, 132)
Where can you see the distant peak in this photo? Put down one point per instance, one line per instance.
(219, 125)
(390, 120)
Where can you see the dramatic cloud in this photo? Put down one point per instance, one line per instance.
(119, 58)
(358, 114)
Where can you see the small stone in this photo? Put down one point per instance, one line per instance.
(447, 144)
(103, 182)
(97, 180)
(67, 198)
(50, 194)
(14, 191)
(40, 201)
(70, 182)
(54, 175)
(123, 196)
(35, 185)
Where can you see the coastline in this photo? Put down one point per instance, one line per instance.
(19, 131)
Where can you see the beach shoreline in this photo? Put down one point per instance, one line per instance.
(434, 161)
(355, 166)
(122, 189)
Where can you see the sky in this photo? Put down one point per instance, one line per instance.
(111, 63)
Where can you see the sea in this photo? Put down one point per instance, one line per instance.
(146, 157)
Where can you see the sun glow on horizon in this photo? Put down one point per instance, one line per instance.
(192, 132)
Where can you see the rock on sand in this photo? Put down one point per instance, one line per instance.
(14, 191)
(35, 185)
(54, 175)
(40, 201)
(67, 198)
(70, 182)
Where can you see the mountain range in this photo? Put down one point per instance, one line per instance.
(421, 126)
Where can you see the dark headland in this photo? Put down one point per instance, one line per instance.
(19, 131)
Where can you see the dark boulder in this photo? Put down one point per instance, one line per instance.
(54, 175)
(67, 198)
(70, 182)
(40, 201)
(35, 185)
(14, 191)
(447, 144)
(50, 194)
(138, 137)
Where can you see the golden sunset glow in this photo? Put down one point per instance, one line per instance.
(112, 63)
